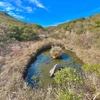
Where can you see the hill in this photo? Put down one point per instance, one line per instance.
(20, 45)
(82, 25)
(11, 28)
(84, 32)
(22, 31)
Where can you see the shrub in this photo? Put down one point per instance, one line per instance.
(68, 77)
(65, 95)
(92, 69)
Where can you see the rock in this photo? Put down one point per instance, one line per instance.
(56, 52)
(55, 69)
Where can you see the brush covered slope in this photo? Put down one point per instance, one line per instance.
(11, 28)
(17, 47)
(82, 36)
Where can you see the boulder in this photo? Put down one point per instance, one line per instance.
(55, 69)
(56, 52)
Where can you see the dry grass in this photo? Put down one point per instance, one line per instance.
(12, 85)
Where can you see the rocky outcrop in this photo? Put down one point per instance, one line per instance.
(56, 52)
(55, 69)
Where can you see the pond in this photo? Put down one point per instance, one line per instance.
(39, 70)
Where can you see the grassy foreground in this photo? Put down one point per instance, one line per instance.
(13, 64)
(81, 36)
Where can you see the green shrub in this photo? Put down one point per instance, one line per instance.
(65, 95)
(68, 77)
(36, 26)
(97, 23)
(92, 69)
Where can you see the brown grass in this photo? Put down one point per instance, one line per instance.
(13, 64)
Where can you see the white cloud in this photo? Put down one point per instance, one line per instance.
(29, 9)
(96, 9)
(6, 6)
(17, 2)
(2, 4)
(16, 15)
(58, 23)
(19, 10)
(9, 8)
(38, 4)
(16, 7)
(13, 10)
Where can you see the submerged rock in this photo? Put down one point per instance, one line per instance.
(56, 52)
(55, 69)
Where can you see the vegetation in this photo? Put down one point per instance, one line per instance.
(92, 80)
(68, 77)
(82, 25)
(36, 26)
(13, 28)
(17, 45)
(92, 69)
(68, 81)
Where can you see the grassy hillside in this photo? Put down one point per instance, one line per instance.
(84, 32)
(17, 48)
(82, 25)
(11, 28)
(22, 31)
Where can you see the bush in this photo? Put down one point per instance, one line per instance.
(65, 95)
(92, 69)
(67, 79)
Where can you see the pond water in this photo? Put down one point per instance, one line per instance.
(39, 70)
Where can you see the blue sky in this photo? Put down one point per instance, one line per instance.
(50, 12)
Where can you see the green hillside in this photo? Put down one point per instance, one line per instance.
(22, 31)
(11, 28)
(83, 32)
(82, 25)
(20, 45)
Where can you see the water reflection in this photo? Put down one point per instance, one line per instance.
(39, 70)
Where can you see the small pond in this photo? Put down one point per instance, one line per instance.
(39, 70)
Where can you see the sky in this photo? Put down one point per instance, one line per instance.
(49, 12)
